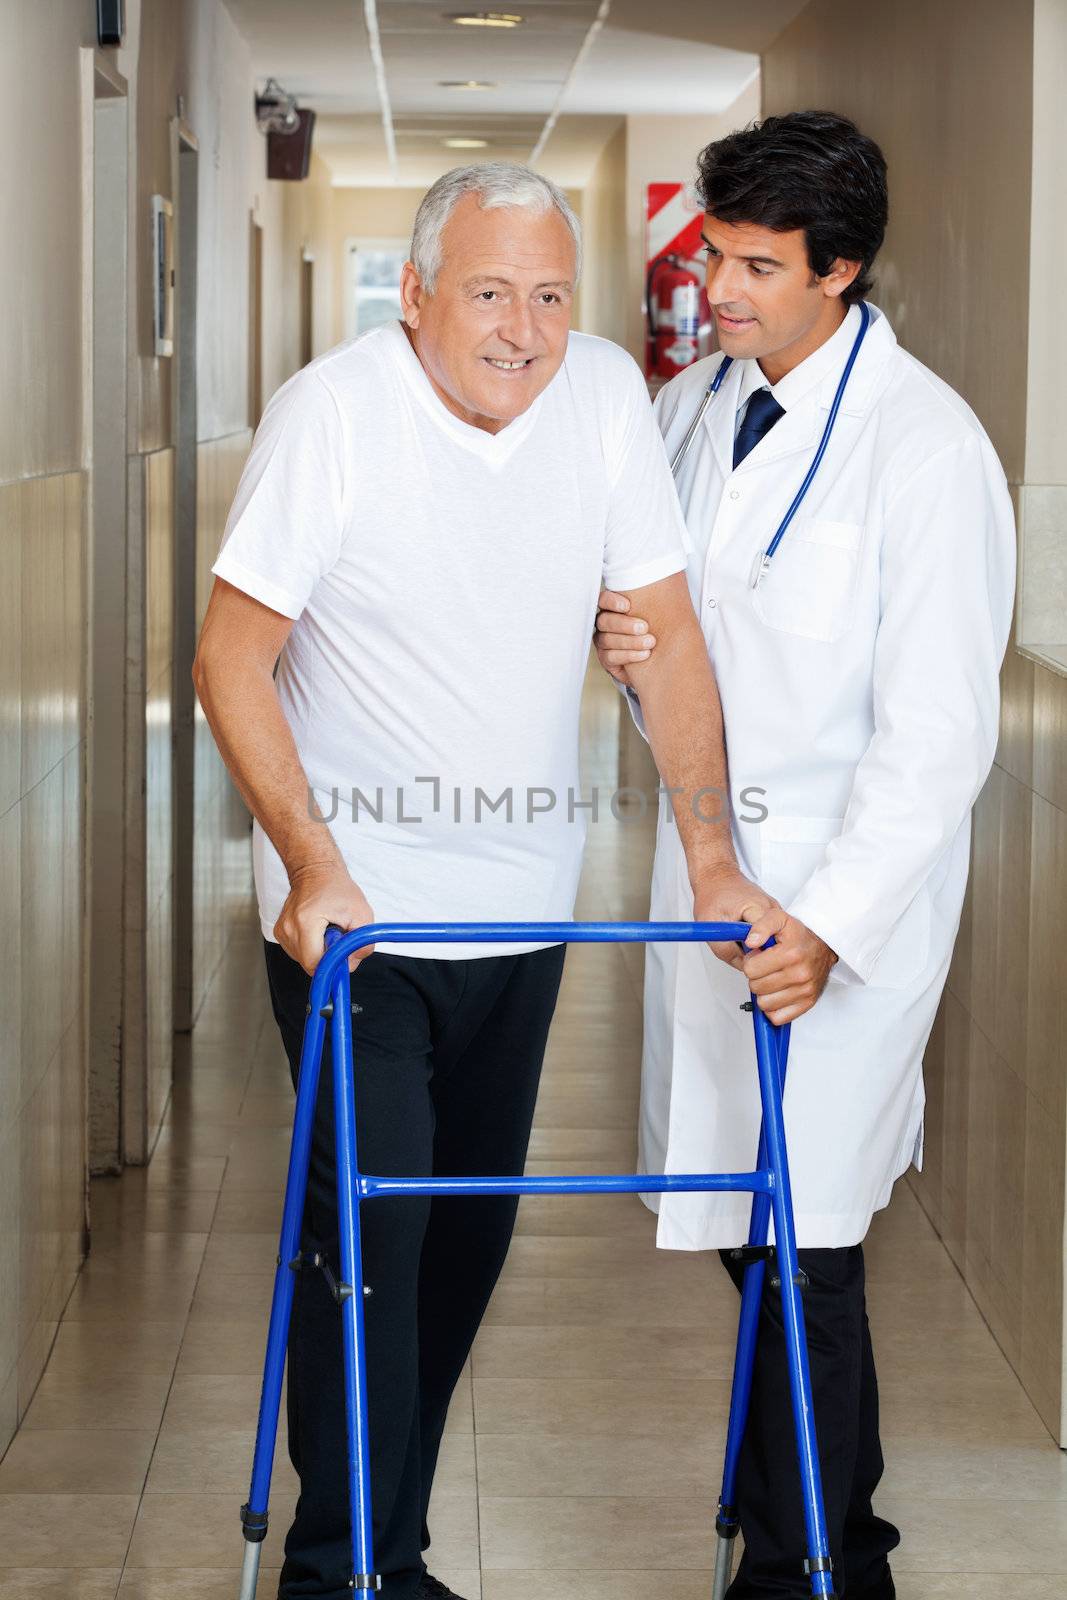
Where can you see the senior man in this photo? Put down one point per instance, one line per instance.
(406, 492)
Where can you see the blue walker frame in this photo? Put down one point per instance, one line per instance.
(768, 1183)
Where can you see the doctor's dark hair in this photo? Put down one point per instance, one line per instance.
(812, 170)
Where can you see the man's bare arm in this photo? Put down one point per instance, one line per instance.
(788, 979)
(233, 672)
(683, 720)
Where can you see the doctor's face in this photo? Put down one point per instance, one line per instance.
(493, 333)
(768, 304)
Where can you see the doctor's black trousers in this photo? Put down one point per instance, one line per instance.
(845, 1399)
(447, 1061)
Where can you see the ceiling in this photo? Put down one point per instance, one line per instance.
(677, 57)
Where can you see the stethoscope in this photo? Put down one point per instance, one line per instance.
(713, 388)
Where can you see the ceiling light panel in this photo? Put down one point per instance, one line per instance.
(485, 19)
(529, 63)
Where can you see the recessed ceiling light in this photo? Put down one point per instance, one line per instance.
(485, 19)
(467, 83)
(466, 144)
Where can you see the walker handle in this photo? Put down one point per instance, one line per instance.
(341, 945)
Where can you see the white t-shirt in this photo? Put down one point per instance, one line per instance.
(444, 584)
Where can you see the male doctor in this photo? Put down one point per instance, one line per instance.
(858, 673)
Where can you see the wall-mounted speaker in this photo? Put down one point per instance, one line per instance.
(110, 21)
(289, 154)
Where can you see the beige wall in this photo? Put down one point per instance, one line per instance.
(42, 694)
(604, 276)
(40, 271)
(954, 279)
(173, 47)
(307, 225)
(1042, 620)
(953, 275)
(216, 81)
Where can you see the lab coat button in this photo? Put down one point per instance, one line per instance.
(712, 604)
(735, 494)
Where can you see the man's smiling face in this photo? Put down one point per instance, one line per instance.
(493, 333)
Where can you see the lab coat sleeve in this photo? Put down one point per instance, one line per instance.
(946, 591)
(634, 706)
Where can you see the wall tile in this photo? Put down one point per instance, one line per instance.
(159, 566)
(1007, 1185)
(11, 508)
(959, 972)
(72, 1149)
(10, 967)
(1050, 736)
(72, 912)
(33, 1279)
(1042, 1253)
(1043, 517)
(955, 1128)
(42, 836)
(159, 817)
(1013, 923)
(1015, 752)
(1046, 1064)
(158, 807)
(9, 1256)
(40, 1184)
(981, 1146)
(159, 945)
(9, 1408)
(75, 616)
(985, 884)
(928, 1183)
(43, 627)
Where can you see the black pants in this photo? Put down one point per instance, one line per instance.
(447, 1060)
(845, 1398)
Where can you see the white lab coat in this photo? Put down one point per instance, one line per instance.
(860, 693)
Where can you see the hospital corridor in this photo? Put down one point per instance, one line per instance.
(222, 288)
(583, 1442)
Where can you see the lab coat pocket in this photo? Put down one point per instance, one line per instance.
(791, 848)
(809, 588)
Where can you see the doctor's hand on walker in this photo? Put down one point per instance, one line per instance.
(787, 979)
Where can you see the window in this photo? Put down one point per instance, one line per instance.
(372, 286)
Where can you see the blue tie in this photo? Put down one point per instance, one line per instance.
(762, 413)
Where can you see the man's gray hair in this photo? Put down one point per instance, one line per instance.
(496, 183)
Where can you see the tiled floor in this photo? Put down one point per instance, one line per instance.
(584, 1444)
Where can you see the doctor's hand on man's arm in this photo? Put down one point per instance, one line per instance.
(789, 978)
(240, 643)
(683, 723)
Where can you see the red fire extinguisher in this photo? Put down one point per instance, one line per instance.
(672, 295)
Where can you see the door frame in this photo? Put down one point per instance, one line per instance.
(185, 150)
(106, 308)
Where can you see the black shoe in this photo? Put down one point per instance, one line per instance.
(432, 1588)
